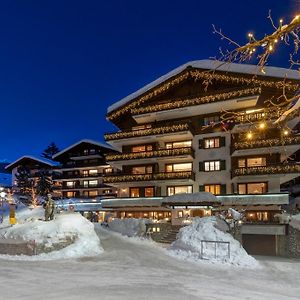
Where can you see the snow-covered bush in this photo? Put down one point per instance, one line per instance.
(129, 227)
(189, 245)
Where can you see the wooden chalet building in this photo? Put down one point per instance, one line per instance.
(82, 166)
(207, 126)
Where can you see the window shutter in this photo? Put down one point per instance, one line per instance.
(223, 164)
(201, 142)
(222, 141)
(201, 188)
(223, 189)
(201, 166)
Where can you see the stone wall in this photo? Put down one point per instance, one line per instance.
(289, 245)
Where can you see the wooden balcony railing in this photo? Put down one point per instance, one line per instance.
(149, 177)
(164, 129)
(270, 169)
(76, 176)
(151, 154)
(262, 143)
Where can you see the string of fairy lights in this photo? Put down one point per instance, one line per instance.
(196, 101)
(149, 177)
(275, 169)
(148, 131)
(197, 74)
(261, 143)
(150, 154)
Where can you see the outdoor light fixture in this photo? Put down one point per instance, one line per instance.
(262, 125)
(249, 135)
(285, 132)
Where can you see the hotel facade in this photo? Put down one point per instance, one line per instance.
(207, 126)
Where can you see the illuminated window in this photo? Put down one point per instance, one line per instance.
(212, 143)
(252, 188)
(141, 127)
(93, 172)
(93, 182)
(90, 193)
(213, 188)
(180, 214)
(212, 166)
(108, 170)
(70, 194)
(142, 170)
(149, 192)
(179, 167)
(134, 192)
(182, 144)
(184, 189)
(135, 149)
(252, 162)
(70, 183)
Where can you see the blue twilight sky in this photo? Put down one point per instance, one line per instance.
(62, 63)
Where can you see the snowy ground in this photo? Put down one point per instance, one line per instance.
(129, 269)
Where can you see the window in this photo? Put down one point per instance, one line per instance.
(149, 191)
(134, 192)
(179, 167)
(185, 189)
(252, 188)
(212, 166)
(93, 172)
(212, 143)
(141, 148)
(252, 162)
(182, 144)
(90, 193)
(211, 120)
(70, 194)
(142, 170)
(108, 170)
(93, 182)
(141, 127)
(213, 188)
(70, 183)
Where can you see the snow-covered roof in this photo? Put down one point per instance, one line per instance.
(131, 202)
(103, 145)
(195, 198)
(208, 64)
(30, 157)
(258, 199)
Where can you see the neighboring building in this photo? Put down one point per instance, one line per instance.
(205, 126)
(32, 164)
(82, 166)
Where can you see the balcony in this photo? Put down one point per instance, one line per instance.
(231, 99)
(81, 186)
(58, 177)
(289, 144)
(188, 175)
(279, 168)
(164, 132)
(187, 151)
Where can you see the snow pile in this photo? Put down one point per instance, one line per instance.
(295, 221)
(73, 231)
(129, 227)
(188, 244)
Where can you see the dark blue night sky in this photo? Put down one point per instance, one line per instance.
(62, 63)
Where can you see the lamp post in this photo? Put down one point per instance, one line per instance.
(2, 197)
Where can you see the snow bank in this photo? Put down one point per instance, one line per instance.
(67, 229)
(295, 221)
(129, 227)
(188, 244)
